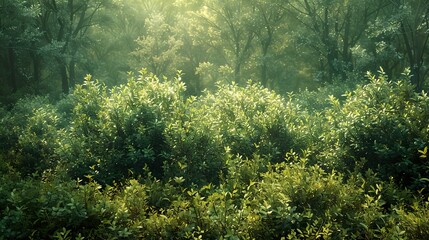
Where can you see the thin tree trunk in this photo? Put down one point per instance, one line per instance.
(63, 74)
(72, 73)
(36, 67)
(64, 79)
(331, 51)
(346, 56)
(265, 46)
(264, 67)
(414, 65)
(12, 70)
(237, 74)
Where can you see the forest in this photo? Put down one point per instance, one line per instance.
(214, 119)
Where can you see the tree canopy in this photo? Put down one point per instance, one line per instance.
(49, 46)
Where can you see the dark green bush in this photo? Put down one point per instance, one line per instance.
(28, 133)
(290, 200)
(234, 120)
(112, 136)
(414, 221)
(249, 120)
(298, 201)
(293, 200)
(318, 100)
(41, 210)
(383, 125)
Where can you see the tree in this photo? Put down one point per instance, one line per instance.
(398, 39)
(332, 29)
(119, 24)
(65, 24)
(158, 49)
(266, 21)
(414, 36)
(226, 30)
(19, 39)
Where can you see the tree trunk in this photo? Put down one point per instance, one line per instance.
(415, 77)
(346, 55)
(237, 68)
(63, 74)
(35, 58)
(12, 69)
(64, 79)
(72, 73)
(331, 54)
(415, 64)
(264, 67)
(265, 46)
(264, 71)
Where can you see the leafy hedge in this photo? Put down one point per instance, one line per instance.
(233, 121)
(292, 200)
(29, 135)
(113, 134)
(144, 160)
(382, 126)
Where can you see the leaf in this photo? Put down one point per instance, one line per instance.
(364, 226)
(424, 151)
(179, 180)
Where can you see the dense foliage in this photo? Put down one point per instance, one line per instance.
(306, 149)
(381, 125)
(143, 160)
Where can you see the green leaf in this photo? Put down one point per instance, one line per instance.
(423, 152)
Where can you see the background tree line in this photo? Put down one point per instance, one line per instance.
(47, 46)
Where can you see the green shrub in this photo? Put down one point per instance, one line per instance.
(300, 201)
(318, 100)
(223, 165)
(250, 120)
(37, 209)
(291, 200)
(382, 124)
(28, 133)
(414, 222)
(112, 136)
(234, 120)
(196, 153)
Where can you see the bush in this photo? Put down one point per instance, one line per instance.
(235, 120)
(150, 164)
(28, 133)
(318, 100)
(291, 200)
(43, 209)
(382, 124)
(112, 136)
(414, 222)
